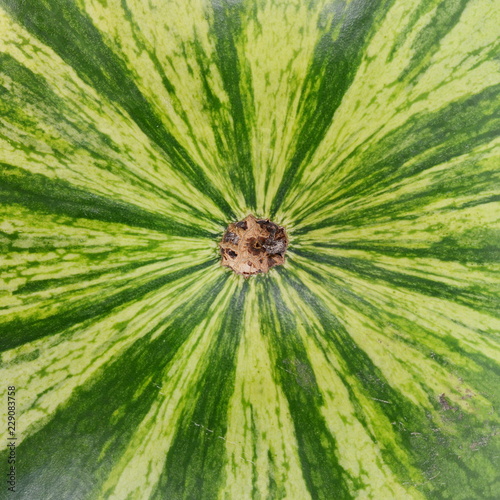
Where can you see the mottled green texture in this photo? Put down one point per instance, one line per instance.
(133, 132)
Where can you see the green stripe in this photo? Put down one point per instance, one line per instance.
(45, 195)
(432, 138)
(116, 398)
(81, 311)
(359, 364)
(47, 284)
(226, 27)
(367, 381)
(473, 297)
(323, 474)
(204, 423)
(451, 248)
(71, 34)
(349, 295)
(336, 58)
(445, 17)
(24, 87)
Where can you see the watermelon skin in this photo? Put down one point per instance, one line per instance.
(131, 133)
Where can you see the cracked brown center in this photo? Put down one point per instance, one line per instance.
(253, 246)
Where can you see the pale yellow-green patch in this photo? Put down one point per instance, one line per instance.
(87, 110)
(259, 420)
(362, 461)
(138, 470)
(449, 272)
(446, 317)
(412, 372)
(162, 43)
(75, 252)
(275, 57)
(485, 159)
(413, 233)
(68, 360)
(452, 72)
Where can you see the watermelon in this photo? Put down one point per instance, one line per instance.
(134, 364)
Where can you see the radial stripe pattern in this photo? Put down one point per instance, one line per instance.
(133, 132)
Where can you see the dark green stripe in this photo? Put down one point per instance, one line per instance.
(473, 296)
(428, 41)
(47, 284)
(71, 34)
(442, 135)
(144, 45)
(52, 111)
(227, 29)
(461, 182)
(324, 476)
(421, 449)
(20, 331)
(71, 457)
(478, 245)
(53, 196)
(422, 339)
(335, 62)
(196, 459)
(430, 342)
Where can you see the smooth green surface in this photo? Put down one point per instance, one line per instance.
(132, 132)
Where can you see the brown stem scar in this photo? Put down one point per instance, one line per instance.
(253, 246)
